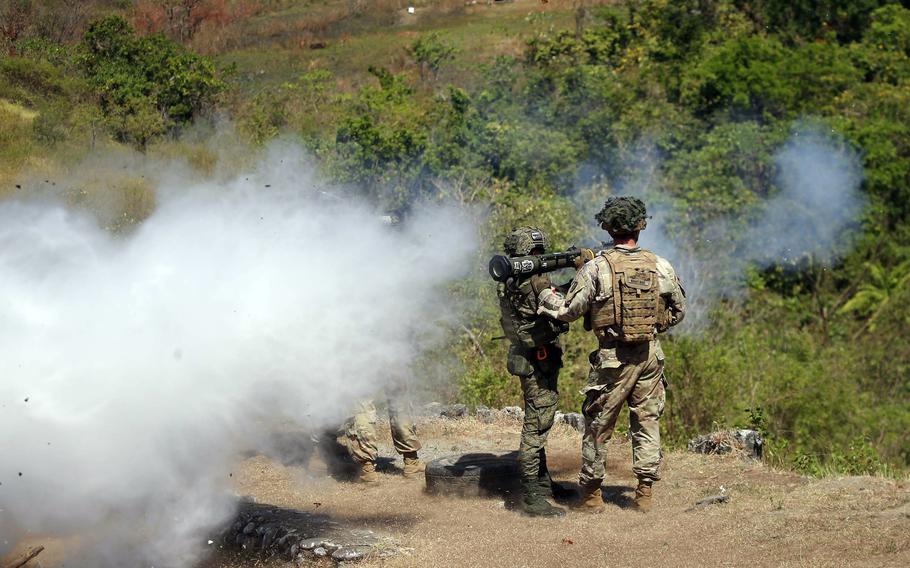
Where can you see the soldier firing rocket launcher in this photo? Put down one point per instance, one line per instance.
(503, 267)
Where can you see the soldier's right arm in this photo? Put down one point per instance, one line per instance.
(576, 302)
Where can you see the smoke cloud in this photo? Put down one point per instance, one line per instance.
(133, 368)
(816, 203)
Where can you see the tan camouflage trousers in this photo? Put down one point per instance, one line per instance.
(636, 380)
(359, 436)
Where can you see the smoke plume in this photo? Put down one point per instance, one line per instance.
(816, 203)
(133, 367)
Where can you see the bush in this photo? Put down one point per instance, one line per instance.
(137, 78)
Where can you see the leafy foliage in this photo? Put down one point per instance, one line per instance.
(146, 85)
(685, 102)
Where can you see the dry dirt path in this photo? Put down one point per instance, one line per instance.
(773, 518)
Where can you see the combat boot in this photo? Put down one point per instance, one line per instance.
(590, 499)
(413, 467)
(535, 505)
(368, 473)
(643, 496)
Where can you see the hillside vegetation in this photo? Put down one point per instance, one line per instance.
(534, 112)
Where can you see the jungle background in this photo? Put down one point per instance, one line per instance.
(532, 112)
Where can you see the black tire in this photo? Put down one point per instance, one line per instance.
(474, 474)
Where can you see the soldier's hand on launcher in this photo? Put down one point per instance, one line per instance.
(586, 255)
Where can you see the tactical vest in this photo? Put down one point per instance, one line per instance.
(519, 319)
(633, 310)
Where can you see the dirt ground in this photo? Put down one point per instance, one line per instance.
(772, 519)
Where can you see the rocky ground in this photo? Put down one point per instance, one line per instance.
(772, 518)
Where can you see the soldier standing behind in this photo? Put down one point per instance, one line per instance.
(627, 295)
(535, 357)
(358, 436)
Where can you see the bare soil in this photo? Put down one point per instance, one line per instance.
(773, 518)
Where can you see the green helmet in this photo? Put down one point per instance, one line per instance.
(623, 215)
(523, 240)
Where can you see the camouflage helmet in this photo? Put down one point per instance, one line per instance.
(523, 240)
(623, 215)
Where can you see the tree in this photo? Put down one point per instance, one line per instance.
(15, 16)
(61, 21)
(875, 296)
(136, 78)
(431, 53)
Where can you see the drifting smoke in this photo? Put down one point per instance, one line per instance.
(816, 204)
(133, 368)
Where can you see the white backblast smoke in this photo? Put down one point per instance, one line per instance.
(132, 368)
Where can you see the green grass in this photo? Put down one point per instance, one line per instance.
(479, 35)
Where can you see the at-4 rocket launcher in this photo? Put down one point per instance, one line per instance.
(503, 267)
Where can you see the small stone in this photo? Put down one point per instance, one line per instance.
(319, 551)
(310, 543)
(249, 528)
(351, 553)
(269, 537)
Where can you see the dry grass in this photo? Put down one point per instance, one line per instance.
(773, 518)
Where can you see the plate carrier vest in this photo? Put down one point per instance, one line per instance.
(634, 308)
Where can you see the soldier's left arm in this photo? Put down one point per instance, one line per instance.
(672, 291)
(574, 303)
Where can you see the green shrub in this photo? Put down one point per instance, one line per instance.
(139, 77)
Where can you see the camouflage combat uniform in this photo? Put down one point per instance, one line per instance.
(622, 370)
(358, 435)
(535, 357)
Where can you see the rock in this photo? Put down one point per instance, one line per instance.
(268, 538)
(513, 412)
(485, 414)
(747, 442)
(432, 409)
(329, 545)
(454, 411)
(311, 543)
(351, 553)
(707, 501)
(572, 419)
(273, 531)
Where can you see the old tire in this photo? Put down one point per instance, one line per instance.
(473, 474)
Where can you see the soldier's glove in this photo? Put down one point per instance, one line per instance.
(585, 256)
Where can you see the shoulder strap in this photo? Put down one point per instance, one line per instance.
(617, 300)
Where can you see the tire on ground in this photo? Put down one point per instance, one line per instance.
(476, 474)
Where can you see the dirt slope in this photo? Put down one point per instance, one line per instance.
(773, 518)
